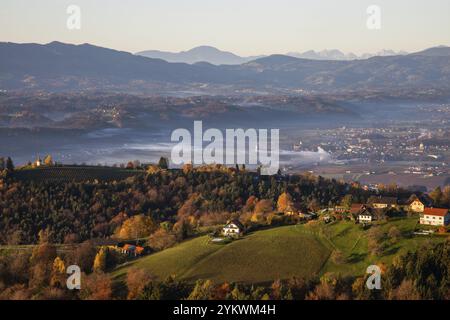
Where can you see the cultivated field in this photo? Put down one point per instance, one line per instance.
(74, 173)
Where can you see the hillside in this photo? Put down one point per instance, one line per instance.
(251, 259)
(280, 253)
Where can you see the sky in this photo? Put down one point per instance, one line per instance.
(245, 27)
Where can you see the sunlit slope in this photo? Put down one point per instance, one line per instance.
(278, 253)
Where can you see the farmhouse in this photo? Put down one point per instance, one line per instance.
(416, 206)
(132, 250)
(418, 203)
(356, 208)
(435, 217)
(382, 202)
(233, 229)
(365, 215)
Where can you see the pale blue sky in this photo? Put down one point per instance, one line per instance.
(246, 27)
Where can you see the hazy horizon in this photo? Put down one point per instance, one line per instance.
(244, 28)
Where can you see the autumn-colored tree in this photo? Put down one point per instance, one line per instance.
(221, 292)
(137, 280)
(263, 206)
(58, 275)
(446, 196)
(187, 168)
(152, 169)
(41, 265)
(323, 291)
(44, 236)
(284, 202)
(347, 201)
(436, 196)
(97, 286)
(250, 204)
(138, 226)
(182, 229)
(277, 289)
(203, 290)
(83, 256)
(405, 291)
(100, 261)
(190, 206)
(394, 234)
(161, 239)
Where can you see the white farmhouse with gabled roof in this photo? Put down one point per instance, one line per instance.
(233, 228)
(435, 217)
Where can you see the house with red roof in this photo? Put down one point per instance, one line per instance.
(435, 217)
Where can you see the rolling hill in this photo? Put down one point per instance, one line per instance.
(256, 258)
(280, 253)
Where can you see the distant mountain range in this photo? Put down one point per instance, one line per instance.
(339, 55)
(63, 67)
(217, 57)
(198, 54)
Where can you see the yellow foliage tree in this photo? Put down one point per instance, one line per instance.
(284, 202)
(135, 227)
(59, 266)
(100, 261)
(58, 273)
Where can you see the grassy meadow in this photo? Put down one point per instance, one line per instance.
(279, 253)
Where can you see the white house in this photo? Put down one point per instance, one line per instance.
(233, 229)
(435, 217)
(365, 216)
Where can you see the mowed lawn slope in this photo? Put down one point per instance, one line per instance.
(262, 256)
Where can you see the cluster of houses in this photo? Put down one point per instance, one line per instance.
(366, 213)
(376, 207)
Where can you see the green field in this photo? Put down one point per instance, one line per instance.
(278, 253)
(258, 257)
(73, 173)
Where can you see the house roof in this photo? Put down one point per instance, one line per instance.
(236, 222)
(435, 212)
(365, 212)
(384, 200)
(424, 199)
(356, 208)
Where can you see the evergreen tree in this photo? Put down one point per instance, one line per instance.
(163, 163)
(9, 164)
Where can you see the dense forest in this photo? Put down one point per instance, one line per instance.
(77, 211)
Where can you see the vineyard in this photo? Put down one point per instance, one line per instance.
(74, 173)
